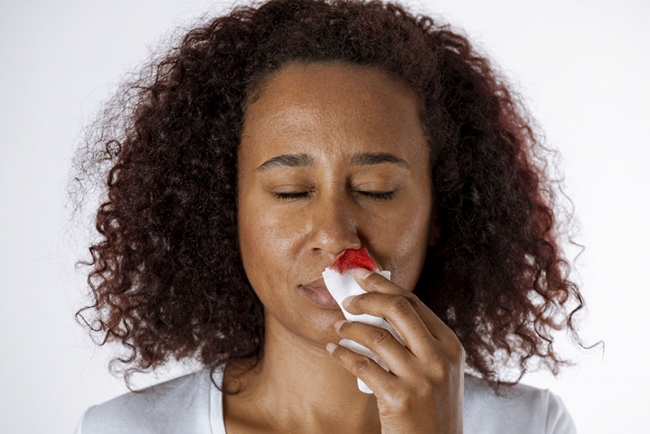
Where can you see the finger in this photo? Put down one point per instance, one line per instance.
(376, 283)
(376, 377)
(380, 341)
(399, 313)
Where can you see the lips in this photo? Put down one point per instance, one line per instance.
(318, 293)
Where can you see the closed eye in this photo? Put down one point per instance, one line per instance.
(289, 195)
(292, 195)
(376, 195)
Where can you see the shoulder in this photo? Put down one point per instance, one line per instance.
(520, 409)
(179, 405)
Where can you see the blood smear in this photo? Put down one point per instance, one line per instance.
(352, 258)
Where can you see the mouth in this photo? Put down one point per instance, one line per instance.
(318, 293)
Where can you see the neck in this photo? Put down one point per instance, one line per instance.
(297, 387)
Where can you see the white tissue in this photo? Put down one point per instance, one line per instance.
(342, 286)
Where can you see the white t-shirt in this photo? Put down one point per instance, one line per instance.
(192, 405)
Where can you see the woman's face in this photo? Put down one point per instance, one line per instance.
(332, 157)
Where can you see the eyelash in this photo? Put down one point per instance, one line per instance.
(292, 195)
(374, 195)
(377, 195)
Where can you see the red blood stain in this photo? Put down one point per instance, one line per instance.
(351, 258)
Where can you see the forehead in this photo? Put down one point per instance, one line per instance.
(335, 104)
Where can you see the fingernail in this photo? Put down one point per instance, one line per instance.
(361, 273)
(347, 300)
(330, 347)
(338, 324)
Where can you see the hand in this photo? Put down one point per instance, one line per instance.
(423, 392)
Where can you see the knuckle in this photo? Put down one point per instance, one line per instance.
(458, 351)
(399, 306)
(454, 350)
(361, 365)
(378, 337)
(414, 300)
(401, 401)
(443, 372)
(424, 390)
(441, 367)
(433, 361)
(445, 369)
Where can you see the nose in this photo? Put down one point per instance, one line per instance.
(334, 226)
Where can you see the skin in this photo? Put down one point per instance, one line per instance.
(333, 157)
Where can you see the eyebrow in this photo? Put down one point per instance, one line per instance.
(373, 158)
(361, 159)
(288, 160)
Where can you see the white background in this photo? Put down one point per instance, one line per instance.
(583, 66)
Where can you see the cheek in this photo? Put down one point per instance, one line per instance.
(267, 241)
(408, 244)
(252, 239)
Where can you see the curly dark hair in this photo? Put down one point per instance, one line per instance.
(167, 276)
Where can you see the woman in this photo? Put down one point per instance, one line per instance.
(269, 142)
